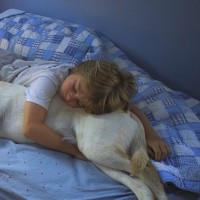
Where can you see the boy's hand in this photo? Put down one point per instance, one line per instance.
(74, 151)
(80, 156)
(157, 148)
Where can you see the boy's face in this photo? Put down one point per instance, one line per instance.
(73, 90)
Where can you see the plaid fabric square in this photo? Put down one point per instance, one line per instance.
(54, 39)
(36, 44)
(168, 102)
(22, 41)
(178, 119)
(56, 56)
(17, 26)
(40, 53)
(8, 36)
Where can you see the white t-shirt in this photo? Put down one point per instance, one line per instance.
(42, 79)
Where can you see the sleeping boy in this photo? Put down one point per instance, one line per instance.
(96, 86)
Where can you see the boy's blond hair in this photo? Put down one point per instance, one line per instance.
(110, 88)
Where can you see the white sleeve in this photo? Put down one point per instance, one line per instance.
(41, 92)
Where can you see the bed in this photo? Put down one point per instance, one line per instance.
(29, 171)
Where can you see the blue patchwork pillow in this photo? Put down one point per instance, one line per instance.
(36, 37)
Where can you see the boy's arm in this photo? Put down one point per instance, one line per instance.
(35, 129)
(157, 147)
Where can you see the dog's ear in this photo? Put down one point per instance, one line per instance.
(139, 161)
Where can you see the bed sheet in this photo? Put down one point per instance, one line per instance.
(33, 172)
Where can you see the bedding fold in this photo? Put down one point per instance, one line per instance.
(10, 12)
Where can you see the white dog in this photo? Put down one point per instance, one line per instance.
(115, 142)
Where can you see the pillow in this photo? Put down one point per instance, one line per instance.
(37, 37)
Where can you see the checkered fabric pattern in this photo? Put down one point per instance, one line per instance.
(41, 38)
(175, 115)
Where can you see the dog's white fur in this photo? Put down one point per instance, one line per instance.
(115, 142)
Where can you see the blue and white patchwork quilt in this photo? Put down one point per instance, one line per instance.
(27, 169)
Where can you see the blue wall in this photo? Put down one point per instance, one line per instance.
(160, 36)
